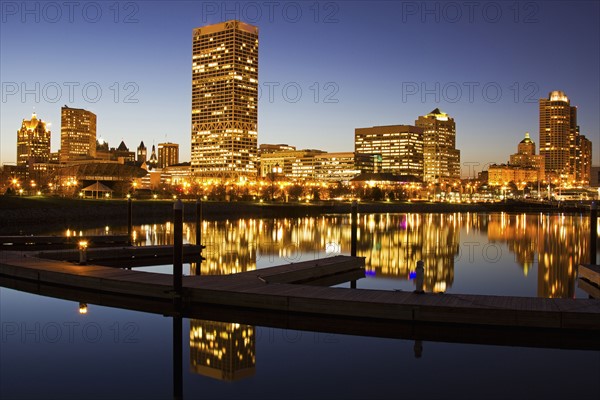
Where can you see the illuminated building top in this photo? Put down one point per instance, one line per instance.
(558, 95)
(33, 141)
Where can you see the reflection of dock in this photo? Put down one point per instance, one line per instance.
(284, 289)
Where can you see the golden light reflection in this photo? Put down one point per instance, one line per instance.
(222, 350)
(550, 247)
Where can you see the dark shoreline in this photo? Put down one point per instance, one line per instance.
(30, 215)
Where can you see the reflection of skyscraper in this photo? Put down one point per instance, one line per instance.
(222, 350)
(547, 236)
(393, 244)
(230, 247)
(225, 99)
(77, 134)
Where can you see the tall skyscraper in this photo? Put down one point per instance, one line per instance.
(77, 134)
(441, 159)
(583, 166)
(567, 154)
(168, 154)
(225, 100)
(400, 147)
(33, 142)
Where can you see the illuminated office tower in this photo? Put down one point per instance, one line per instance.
(225, 100)
(77, 134)
(33, 142)
(567, 153)
(168, 154)
(441, 159)
(400, 147)
(583, 163)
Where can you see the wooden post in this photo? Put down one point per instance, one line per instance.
(129, 221)
(199, 234)
(198, 222)
(593, 232)
(353, 234)
(420, 279)
(177, 246)
(177, 357)
(354, 227)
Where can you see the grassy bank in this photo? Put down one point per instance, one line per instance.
(29, 215)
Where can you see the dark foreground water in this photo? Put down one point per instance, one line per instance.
(50, 350)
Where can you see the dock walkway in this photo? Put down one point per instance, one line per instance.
(293, 289)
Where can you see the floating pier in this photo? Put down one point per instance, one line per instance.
(589, 280)
(293, 289)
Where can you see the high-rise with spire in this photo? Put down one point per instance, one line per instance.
(225, 100)
(33, 142)
(142, 153)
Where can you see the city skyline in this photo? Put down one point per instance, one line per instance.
(356, 68)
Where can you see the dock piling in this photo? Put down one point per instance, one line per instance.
(353, 234)
(129, 221)
(593, 232)
(198, 222)
(420, 279)
(83, 244)
(177, 246)
(354, 227)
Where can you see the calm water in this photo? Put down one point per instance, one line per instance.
(50, 350)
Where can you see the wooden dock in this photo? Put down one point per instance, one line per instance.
(287, 290)
(125, 257)
(589, 279)
(36, 243)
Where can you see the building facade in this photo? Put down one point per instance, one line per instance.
(400, 147)
(525, 157)
(77, 134)
(168, 154)
(225, 100)
(441, 159)
(335, 167)
(567, 154)
(33, 142)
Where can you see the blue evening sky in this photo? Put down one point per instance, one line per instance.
(325, 68)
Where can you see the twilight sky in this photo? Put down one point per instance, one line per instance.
(325, 68)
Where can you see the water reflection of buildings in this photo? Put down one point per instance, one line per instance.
(560, 241)
(222, 350)
(393, 243)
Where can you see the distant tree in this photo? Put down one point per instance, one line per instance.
(295, 191)
(376, 194)
(316, 194)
